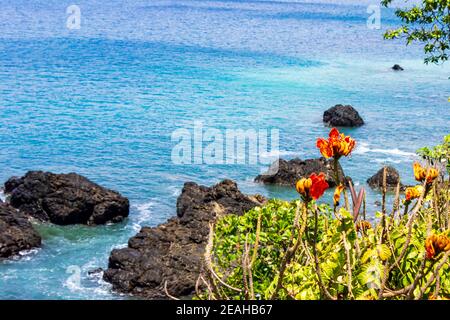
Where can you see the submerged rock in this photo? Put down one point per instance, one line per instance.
(397, 67)
(342, 116)
(16, 232)
(173, 251)
(392, 179)
(65, 199)
(95, 271)
(289, 172)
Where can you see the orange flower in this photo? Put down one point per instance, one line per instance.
(337, 194)
(325, 148)
(319, 185)
(336, 146)
(435, 244)
(312, 187)
(303, 185)
(421, 174)
(413, 192)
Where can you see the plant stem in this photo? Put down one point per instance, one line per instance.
(434, 275)
(244, 268)
(396, 204)
(290, 251)
(323, 289)
(255, 247)
(349, 266)
(409, 226)
(336, 171)
(364, 206)
(384, 190)
(405, 213)
(419, 275)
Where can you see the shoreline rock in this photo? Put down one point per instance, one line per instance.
(289, 172)
(392, 179)
(16, 232)
(65, 199)
(397, 67)
(173, 251)
(342, 116)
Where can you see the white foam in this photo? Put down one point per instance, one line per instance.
(174, 190)
(73, 280)
(103, 287)
(276, 154)
(77, 275)
(361, 148)
(2, 195)
(145, 212)
(144, 208)
(28, 252)
(387, 160)
(25, 255)
(364, 147)
(395, 152)
(119, 246)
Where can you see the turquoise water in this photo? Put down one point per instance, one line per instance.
(104, 100)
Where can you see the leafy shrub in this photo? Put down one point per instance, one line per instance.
(439, 155)
(302, 250)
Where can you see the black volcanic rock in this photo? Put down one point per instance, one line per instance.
(16, 232)
(65, 199)
(397, 67)
(289, 172)
(173, 251)
(342, 116)
(392, 179)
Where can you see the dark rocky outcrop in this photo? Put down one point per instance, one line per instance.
(397, 67)
(16, 232)
(392, 179)
(289, 172)
(342, 116)
(173, 251)
(65, 199)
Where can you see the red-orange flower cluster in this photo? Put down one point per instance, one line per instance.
(413, 192)
(312, 187)
(336, 145)
(436, 244)
(421, 174)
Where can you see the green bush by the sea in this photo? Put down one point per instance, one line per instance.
(302, 250)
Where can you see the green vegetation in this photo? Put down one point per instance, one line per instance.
(302, 250)
(438, 155)
(427, 23)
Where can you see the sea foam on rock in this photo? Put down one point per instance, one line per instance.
(65, 199)
(173, 251)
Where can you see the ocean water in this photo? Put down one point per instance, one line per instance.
(104, 100)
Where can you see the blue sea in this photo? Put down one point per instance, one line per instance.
(104, 100)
